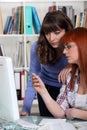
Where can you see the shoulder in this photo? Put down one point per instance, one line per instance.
(34, 46)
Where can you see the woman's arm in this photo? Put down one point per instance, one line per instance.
(52, 105)
(30, 91)
(76, 113)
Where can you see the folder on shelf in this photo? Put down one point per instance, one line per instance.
(28, 20)
(36, 20)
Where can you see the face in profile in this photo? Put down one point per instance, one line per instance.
(71, 52)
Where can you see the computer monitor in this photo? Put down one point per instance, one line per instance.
(8, 98)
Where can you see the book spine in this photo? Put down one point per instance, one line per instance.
(52, 8)
(22, 77)
(2, 52)
(36, 21)
(22, 20)
(17, 84)
(11, 20)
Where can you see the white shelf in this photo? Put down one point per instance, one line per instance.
(31, 1)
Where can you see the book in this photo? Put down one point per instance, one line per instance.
(63, 9)
(22, 20)
(28, 47)
(22, 82)
(77, 24)
(16, 12)
(81, 19)
(67, 10)
(1, 22)
(85, 18)
(17, 84)
(52, 8)
(28, 20)
(8, 25)
(2, 52)
(36, 20)
(18, 56)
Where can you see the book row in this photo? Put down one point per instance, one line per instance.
(20, 82)
(24, 20)
(78, 20)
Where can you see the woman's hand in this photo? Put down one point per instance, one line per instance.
(70, 113)
(23, 113)
(38, 84)
(62, 77)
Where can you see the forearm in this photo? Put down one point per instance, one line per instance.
(52, 105)
(80, 114)
(29, 96)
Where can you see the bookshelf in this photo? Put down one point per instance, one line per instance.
(10, 41)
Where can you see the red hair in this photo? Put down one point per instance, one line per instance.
(79, 36)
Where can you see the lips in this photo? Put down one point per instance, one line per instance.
(54, 43)
(67, 57)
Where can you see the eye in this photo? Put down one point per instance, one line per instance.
(57, 32)
(69, 46)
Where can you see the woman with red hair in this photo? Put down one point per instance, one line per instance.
(72, 100)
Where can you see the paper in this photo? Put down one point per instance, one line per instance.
(55, 124)
(46, 121)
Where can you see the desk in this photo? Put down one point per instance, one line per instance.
(36, 120)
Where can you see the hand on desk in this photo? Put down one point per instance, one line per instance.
(23, 113)
(70, 113)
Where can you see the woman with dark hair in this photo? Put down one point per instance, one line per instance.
(47, 60)
(72, 100)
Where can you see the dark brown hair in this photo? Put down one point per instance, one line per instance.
(52, 22)
(79, 36)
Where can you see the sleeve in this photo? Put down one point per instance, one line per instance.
(62, 98)
(34, 68)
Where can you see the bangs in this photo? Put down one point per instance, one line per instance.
(51, 27)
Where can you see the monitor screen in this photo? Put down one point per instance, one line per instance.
(8, 98)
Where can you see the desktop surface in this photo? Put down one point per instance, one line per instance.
(34, 121)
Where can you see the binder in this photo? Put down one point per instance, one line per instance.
(36, 21)
(28, 20)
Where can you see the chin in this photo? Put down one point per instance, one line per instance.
(70, 62)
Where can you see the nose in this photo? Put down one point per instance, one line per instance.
(51, 36)
(64, 51)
